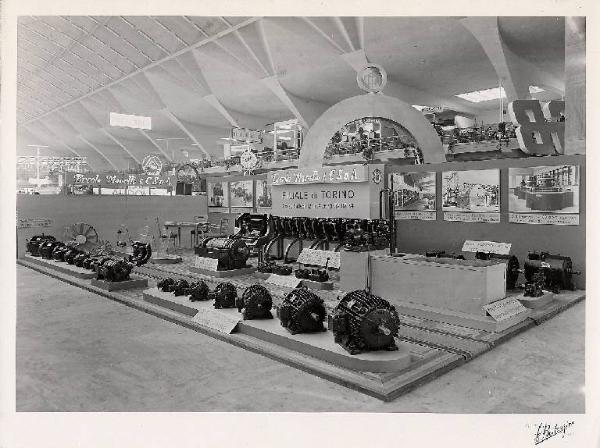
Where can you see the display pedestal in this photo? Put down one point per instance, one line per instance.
(62, 266)
(165, 260)
(318, 286)
(181, 304)
(536, 302)
(223, 274)
(116, 286)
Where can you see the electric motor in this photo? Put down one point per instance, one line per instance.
(76, 257)
(114, 270)
(59, 251)
(557, 270)
(47, 247)
(232, 253)
(199, 291)
(363, 322)
(302, 311)
(224, 295)
(88, 262)
(165, 284)
(141, 253)
(181, 287)
(255, 303)
(33, 245)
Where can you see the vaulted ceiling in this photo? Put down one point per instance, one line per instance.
(199, 76)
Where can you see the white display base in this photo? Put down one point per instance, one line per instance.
(181, 304)
(223, 274)
(536, 302)
(318, 286)
(165, 260)
(116, 286)
(62, 266)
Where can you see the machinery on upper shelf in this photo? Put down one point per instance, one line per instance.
(232, 253)
(363, 234)
(302, 311)
(113, 270)
(199, 291)
(266, 266)
(557, 270)
(255, 303)
(512, 266)
(255, 230)
(224, 295)
(33, 245)
(142, 252)
(363, 322)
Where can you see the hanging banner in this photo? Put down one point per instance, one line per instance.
(322, 175)
(108, 179)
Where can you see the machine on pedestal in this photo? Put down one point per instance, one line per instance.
(255, 231)
(232, 253)
(302, 311)
(556, 269)
(255, 303)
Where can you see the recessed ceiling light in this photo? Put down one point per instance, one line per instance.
(483, 95)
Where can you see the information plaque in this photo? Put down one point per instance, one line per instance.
(223, 322)
(319, 258)
(487, 247)
(288, 281)
(208, 264)
(504, 309)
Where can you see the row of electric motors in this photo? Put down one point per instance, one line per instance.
(360, 322)
(542, 270)
(107, 267)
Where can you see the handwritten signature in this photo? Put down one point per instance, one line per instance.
(545, 431)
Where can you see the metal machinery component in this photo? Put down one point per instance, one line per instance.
(232, 253)
(224, 295)
(512, 266)
(443, 254)
(76, 257)
(98, 261)
(316, 275)
(181, 287)
(535, 288)
(165, 284)
(364, 322)
(557, 270)
(59, 252)
(114, 270)
(198, 291)
(47, 247)
(302, 311)
(255, 303)
(255, 230)
(141, 253)
(277, 238)
(320, 234)
(33, 245)
(298, 235)
(88, 262)
(83, 234)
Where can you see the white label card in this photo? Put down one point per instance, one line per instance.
(487, 247)
(504, 309)
(222, 321)
(208, 264)
(288, 281)
(319, 258)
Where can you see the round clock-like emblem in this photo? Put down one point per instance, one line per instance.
(372, 78)
(248, 160)
(152, 165)
(376, 176)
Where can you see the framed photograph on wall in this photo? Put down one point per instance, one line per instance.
(218, 195)
(264, 196)
(471, 196)
(414, 195)
(544, 195)
(242, 194)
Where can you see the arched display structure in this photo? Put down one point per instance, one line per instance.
(363, 106)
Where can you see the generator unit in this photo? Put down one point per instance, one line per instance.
(141, 253)
(33, 245)
(114, 270)
(224, 295)
(255, 303)
(165, 284)
(302, 311)
(255, 230)
(557, 269)
(199, 291)
(180, 287)
(232, 253)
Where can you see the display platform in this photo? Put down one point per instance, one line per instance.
(223, 274)
(165, 260)
(536, 302)
(62, 266)
(318, 286)
(134, 283)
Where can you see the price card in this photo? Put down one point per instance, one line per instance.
(221, 321)
(319, 257)
(208, 264)
(504, 309)
(487, 247)
(288, 281)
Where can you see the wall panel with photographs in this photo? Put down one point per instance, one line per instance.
(241, 194)
(264, 196)
(471, 196)
(218, 196)
(544, 195)
(414, 195)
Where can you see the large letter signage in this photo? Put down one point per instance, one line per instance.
(539, 132)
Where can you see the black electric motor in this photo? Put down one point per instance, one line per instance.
(443, 254)
(76, 257)
(224, 295)
(47, 247)
(535, 288)
(557, 270)
(181, 287)
(255, 303)
(59, 252)
(512, 266)
(88, 262)
(165, 284)
(363, 322)
(33, 245)
(302, 311)
(232, 253)
(141, 253)
(199, 291)
(114, 270)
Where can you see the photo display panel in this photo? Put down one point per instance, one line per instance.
(241, 193)
(414, 195)
(471, 196)
(544, 195)
(264, 195)
(218, 195)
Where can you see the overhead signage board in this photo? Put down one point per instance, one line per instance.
(322, 175)
(130, 121)
(246, 135)
(109, 179)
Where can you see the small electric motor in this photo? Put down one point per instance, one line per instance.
(141, 253)
(363, 322)
(47, 247)
(114, 270)
(165, 284)
(199, 291)
(33, 245)
(255, 303)
(181, 287)
(76, 257)
(302, 311)
(224, 295)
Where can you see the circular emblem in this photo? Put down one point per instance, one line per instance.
(248, 160)
(152, 165)
(372, 78)
(376, 176)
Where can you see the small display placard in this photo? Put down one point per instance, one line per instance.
(25, 223)
(319, 258)
(471, 217)
(422, 216)
(535, 218)
(288, 281)
(220, 321)
(487, 247)
(504, 309)
(208, 264)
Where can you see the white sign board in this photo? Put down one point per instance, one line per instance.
(472, 217)
(544, 218)
(208, 264)
(221, 321)
(289, 281)
(487, 247)
(319, 258)
(25, 223)
(419, 215)
(504, 309)
(130, 121)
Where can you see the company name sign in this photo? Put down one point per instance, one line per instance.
(323, 175)
(119, 179)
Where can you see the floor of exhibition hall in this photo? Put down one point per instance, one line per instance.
(79, 351)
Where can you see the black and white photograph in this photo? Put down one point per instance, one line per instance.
(321, 268)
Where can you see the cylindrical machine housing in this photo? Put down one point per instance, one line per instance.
(302, 311)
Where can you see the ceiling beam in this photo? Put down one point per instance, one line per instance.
(95, 148)
(181, 126)
(156, 145)
(344, 32)
(114, 139)
(323, 34)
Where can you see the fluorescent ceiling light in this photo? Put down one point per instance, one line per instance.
(535, 89)
(483, 95)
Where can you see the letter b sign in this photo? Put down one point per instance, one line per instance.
(539, 132)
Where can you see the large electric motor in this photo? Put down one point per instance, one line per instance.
(511, 262)
(302, 311)
(47, 247)
(76, 257)
(364, 322)
(59, 252)
(180, 287)
(33, 245)
(224, 295)
(114, 270)
(232, 253)
(141, 253)
(557, 269)
(199, 291)
(255, 303)
(165, 284)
